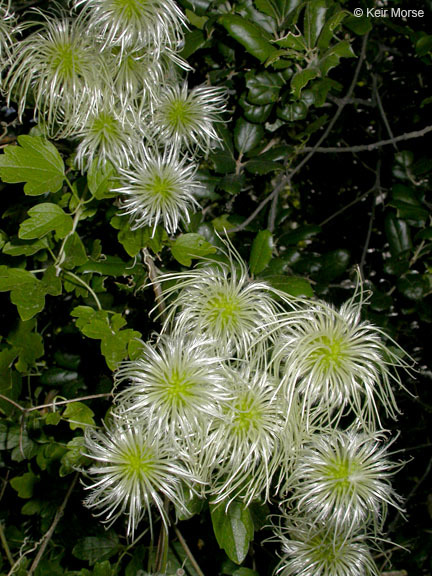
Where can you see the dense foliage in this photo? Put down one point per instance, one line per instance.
(321, 174)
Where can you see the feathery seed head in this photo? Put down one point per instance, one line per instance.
(176, 386)
(158, 188)
(243, 446)
(220, 301)
(138, 75)
(332, 357)
(133, 470)
(187, 117)
(58, 67)
(109, 132)
(318, 551)
(134, 24)
(8, 29)
(342, 479)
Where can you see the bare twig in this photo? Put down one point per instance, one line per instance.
(381, 109)
(6, 545)
(376, 188)
(188, 552)
(373, 145)
(153, 273)
(273, 211)
(283, 181)
(53, 404)
(50, 532)
(346, 207)
(285, 178)
(339, 110)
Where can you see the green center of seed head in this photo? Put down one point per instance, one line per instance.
(105, 126)
(65, 60)
(223, 309)
(325, 550)
(128, 8)
(138, 461)
(329, 351)
(340, 472)
(247, 414)
(178, 386)
(161, 186)
(179, 114)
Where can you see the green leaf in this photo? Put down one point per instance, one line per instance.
(424, 45)
(24, 484)
(413, 286)
(247, 136)
(73, 457)
(75, 254)
(96, 324)
(9, 378)
(100, 180)
(329, 28)
(51, 283)
(261, 166)
(24, 248)
(359, 26)
(191, 246)
(79, 415)
(398, 234)
(263, 88)
(314, 20)
(293, 41)
(26, 291)
(255, 114)
(56, 376)
(115, 347)
(36, 162)
(97, 548)
(293, 285)
(333, 265)
(408, 206)
(194, 40)
(332, 57)
(234, 529)
(27, 343)
(92, 323)
(261, 251)
(45, 218)
(293, 112)
(251, 36)
(110, 266)
(133, 241)
(300, 234)
(301, 79)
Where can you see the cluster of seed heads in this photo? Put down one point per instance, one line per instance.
(246, 394)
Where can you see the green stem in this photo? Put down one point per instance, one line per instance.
(6, 545)
(86, 286)
(72, 189)
(61, 255)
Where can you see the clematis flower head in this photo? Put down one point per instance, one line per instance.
(187, 117)
(220, 301)
(133, 470)
(333, 358)
(176, 386)
(58, 68)
(342, 479)
(158, 188)
(317, 551)
(134, 24)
